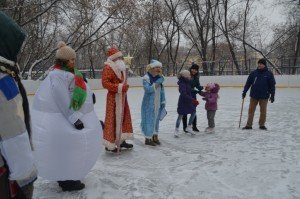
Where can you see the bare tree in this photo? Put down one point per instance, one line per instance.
(80, 23)
(227, 25)
(175, 32)
(245, 25)
(198, 32)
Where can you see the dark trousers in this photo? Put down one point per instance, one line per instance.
(184, 122)
(4, 188)
(211, 118)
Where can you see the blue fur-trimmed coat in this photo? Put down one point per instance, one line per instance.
(153, 102)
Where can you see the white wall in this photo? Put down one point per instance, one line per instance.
(285, 81)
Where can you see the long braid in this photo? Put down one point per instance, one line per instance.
(25, 106)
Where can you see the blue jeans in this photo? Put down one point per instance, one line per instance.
(192, 117)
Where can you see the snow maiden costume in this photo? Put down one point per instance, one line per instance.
(153, 103)
(66, 130)
(17, 168)
(118, 126)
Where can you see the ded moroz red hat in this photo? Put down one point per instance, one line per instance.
(113, 53)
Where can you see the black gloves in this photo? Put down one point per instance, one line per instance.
(200, 91)
(205, 99)
(243, 95)
(102, 124)
(272, 99)
(94, 98)
(84, 79)
(78, 125)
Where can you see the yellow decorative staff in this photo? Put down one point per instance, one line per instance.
(127, 60)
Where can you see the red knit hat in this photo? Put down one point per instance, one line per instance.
(113, 53)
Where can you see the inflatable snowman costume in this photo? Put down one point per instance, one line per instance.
(63, 151)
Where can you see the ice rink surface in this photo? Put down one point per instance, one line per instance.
(228, 164)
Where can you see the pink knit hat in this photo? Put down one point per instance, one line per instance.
(210, 85)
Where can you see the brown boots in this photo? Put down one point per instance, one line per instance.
(152, 142)
(149, 142)
(155, 139)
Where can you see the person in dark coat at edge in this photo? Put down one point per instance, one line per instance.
(262, 83)
(195, 83)
(186, 103)
(17, 167)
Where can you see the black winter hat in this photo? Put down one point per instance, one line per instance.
(195, 66)
(262, 61)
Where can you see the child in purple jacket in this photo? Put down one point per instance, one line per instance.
(211, 97)
(186, 103)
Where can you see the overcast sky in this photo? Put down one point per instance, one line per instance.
(272, 14)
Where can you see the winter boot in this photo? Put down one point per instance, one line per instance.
(209, 130)
(176, 133)
(195, 125)
(149, 142)
(115, 150)
(71, 185)
(155, 139)
(189, 129)
(126, 145)
(263, 128)
(184, 122)
(247, 128)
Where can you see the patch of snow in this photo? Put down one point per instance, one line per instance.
(229, 163)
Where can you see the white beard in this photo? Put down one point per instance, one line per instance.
(120, 65)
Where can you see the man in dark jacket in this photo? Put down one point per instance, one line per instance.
(262, 85)
(196, 88)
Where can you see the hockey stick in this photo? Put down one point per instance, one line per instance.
(241, 112)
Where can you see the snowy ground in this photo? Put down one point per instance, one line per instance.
(230, 163)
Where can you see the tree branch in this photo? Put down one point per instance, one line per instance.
(39, 14)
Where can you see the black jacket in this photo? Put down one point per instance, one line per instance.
(195, 83)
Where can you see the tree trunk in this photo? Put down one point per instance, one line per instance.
(244, 33)
(92, 69)
(297, 53)
(226, 34)
(151, 33)
(204, 66)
